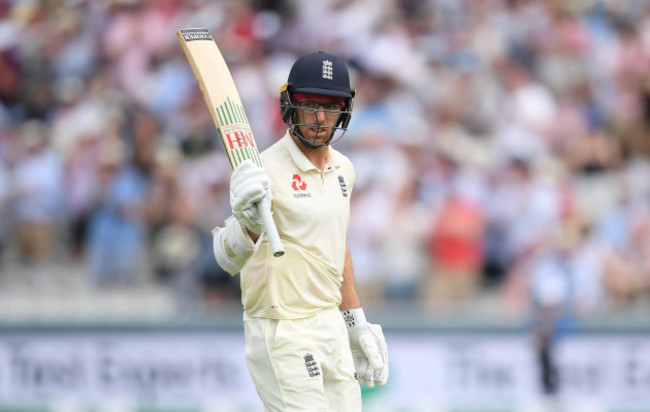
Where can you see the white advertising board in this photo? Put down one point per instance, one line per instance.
(207, 371)
(156, 369)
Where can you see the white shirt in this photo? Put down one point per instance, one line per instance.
(311, 209)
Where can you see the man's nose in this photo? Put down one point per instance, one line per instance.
(320, 113)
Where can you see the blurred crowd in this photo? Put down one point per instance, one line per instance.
(501, 147)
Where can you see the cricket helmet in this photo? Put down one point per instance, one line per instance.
(321, 74)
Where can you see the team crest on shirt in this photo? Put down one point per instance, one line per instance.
(311, 365)
(299, 187)
(344, 186)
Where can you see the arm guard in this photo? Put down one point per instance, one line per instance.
(232, 247)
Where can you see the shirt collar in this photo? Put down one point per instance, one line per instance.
(301, 160)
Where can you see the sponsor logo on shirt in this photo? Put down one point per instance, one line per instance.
(299, 187)
(297, 183)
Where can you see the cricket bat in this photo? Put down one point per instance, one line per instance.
(227, 112)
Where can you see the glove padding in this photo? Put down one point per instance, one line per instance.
(249, 184)
(370, 354)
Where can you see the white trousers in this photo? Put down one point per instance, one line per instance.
(302, 364)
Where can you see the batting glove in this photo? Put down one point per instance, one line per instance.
(249, 184)
(368, 347)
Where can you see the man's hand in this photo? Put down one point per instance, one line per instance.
(248, 185)
(369, 352)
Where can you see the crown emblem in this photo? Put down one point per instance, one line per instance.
(328, 70)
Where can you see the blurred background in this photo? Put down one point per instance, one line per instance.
(500, 227)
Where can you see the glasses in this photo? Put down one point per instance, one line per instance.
(329, 108)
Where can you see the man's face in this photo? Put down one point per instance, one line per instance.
(317, 116)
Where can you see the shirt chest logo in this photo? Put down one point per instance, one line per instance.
(297, 184)
(299, 187)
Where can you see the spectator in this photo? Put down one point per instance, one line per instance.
(627, 268)
(559, 281)
(117, 231)
(403, 252)
(456, 252)
(81, 174)
(36, 196)
(175, 255)
(4, 215)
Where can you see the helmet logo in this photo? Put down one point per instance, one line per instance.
(328, 70)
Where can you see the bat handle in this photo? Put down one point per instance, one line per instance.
(271, 230)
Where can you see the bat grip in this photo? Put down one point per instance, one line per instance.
(264, 207)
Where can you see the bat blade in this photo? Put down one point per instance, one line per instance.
(226, 109)
(220, 94)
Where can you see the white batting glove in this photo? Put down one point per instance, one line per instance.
(248, 185)
(369, 349)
